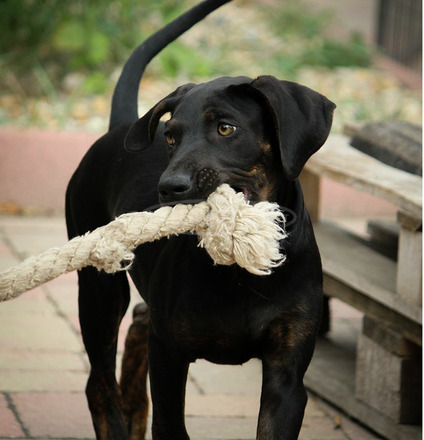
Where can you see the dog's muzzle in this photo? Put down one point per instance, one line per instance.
(206, 180)
(178, 187)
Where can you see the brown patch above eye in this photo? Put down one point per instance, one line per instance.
(209, 115)
(171, 124)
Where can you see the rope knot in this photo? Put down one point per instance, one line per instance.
(238, 232)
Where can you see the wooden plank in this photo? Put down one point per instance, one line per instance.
(409, 269)
(389, 339)
(395, 143)
(362, 270)
(331, 376)
(339, 161)
(362, 302)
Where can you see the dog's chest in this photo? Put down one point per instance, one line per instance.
(218, 331)
(205, 311)
(220, 313)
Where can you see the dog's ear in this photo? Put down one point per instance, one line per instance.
(302, 119)
(141, 134)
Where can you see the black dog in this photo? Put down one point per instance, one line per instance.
(255, 135)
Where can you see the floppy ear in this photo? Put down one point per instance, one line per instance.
(302, 119)
(141, 134)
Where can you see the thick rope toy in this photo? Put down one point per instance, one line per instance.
(231, 231)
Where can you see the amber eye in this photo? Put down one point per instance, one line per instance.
(170, 139)
(226, 129)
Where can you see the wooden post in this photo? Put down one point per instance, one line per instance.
(388, 373)
(409, 269)
(311, 187)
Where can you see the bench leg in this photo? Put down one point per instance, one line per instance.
(388, 373)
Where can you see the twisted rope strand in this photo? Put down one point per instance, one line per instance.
(231, 231)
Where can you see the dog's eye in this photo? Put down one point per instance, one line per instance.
(170, 139)
(226, 129)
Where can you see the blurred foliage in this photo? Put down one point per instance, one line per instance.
(293, 17)
(333, 53)
(307, 42)
(182, 58)
(89, 36)
(44, 40)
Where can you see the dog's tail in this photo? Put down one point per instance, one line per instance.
(124, 100)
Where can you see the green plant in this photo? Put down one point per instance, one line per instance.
(42, 41)
(179, 59)
(95, 83)
(293, 17)
(78, 35)
(333, 53)
(305, 41)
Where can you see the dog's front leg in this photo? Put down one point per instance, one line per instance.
(283, 402)
(103, 300)
(286, 356)
(168, 377)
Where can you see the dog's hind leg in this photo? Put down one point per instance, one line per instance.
(103, 300)
(134, 373)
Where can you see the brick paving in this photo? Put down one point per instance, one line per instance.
(43, 366)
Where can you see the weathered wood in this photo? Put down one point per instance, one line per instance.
(350, 261)
(358, 273)
(409, 268)
(351, 127)
(389, 339)
(343, 163)
(395, 143)
(387, 380)
(362, 302)
(331, 375)
(311, 188)
(409, 222)
(384, 232)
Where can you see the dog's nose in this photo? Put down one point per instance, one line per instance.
(174, 188)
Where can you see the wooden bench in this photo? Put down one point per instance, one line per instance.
(380, 384)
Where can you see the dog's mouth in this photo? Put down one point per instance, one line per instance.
(246, 193)
(208, 179)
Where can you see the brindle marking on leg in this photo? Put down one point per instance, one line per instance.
(134, 374)
(103, 393)
(288, 334)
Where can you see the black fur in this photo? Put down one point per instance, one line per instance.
(255, 135)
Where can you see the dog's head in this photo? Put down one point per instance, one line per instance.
(251, 134)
